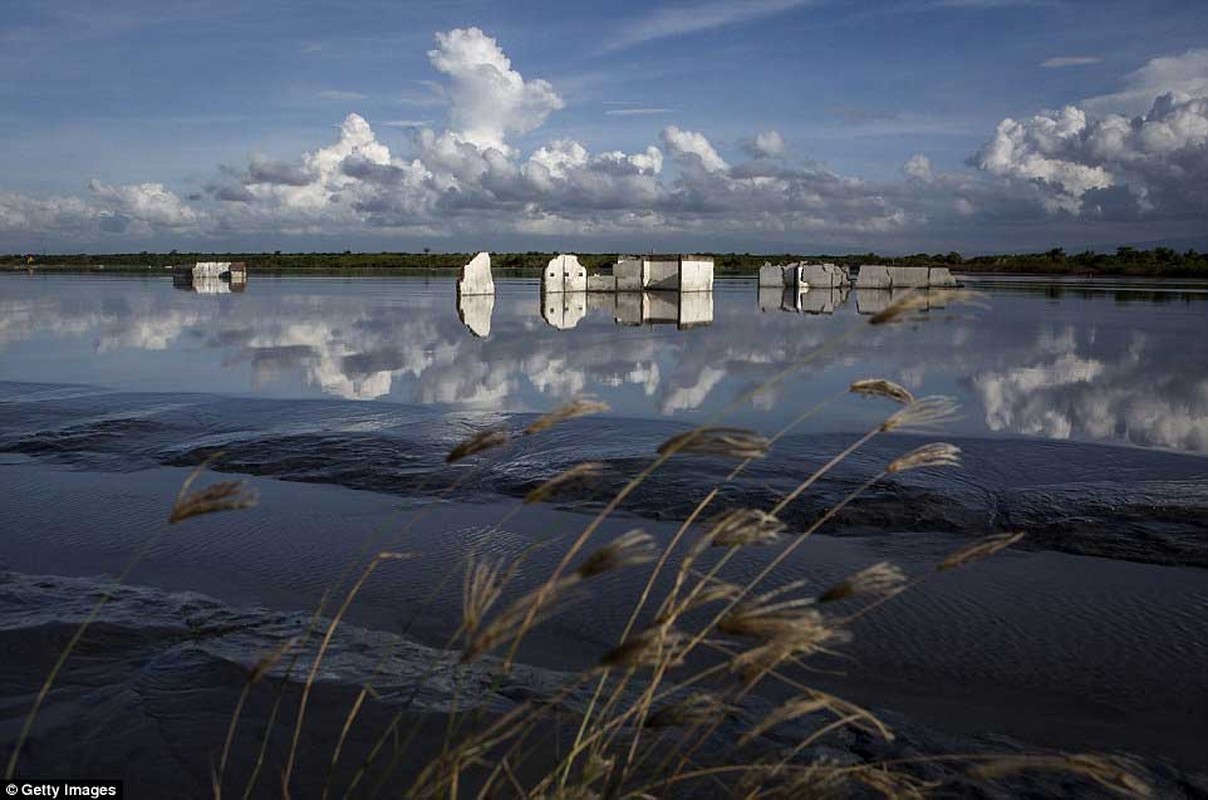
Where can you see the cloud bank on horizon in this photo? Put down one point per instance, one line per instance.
(1135, 157)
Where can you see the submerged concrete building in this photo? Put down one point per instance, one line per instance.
(475, 277)
(684, 273)
(878, 276)
(211, 277)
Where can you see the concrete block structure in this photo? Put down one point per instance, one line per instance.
(941, 277)
(696, 274)
(771, 276)
(909, 277)
(661, 275)
(601, 283)
(816, 276)
(212, 277)
(679, 274)
(873, 276)
(629, 274)
(564, 273)
(876, 276)
(475, 277)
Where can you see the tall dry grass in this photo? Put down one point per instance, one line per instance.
(644, 720)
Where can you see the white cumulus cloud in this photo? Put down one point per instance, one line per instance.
(1160, 157)
(693, 148)
(766, 144)
(489, 99)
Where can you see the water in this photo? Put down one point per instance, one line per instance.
(1108, 361)
(1084, 423)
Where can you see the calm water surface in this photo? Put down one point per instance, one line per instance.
(1105, 361)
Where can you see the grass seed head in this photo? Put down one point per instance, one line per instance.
(698, 708)
(483, 585)
(785, 637)
(878, 387)
(653, 647)
(727, 442)
(628, 549)
(744, 526)
(979, 550)
(883, 579)
(579, 407)
(521, 615)
(923, 300)
(1113, 774)
(483, 440)
(923, 414)
(937, 454)
(221, 496)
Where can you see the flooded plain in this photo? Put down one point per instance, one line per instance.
(1084, 424)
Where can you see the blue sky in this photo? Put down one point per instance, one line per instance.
(778, 124)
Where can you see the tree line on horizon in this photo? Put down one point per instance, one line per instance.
(1124, 261)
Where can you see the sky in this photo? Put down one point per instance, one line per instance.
(759, 126)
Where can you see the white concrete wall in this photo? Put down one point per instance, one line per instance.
(210, 269)
(661, 275)
(696, 274)
(474, 311)
(564, 273)
(941, 277)
(629, 274)
(909, 277)
(820, 275)
(601, 283)
(475, 277)
(873, 276)
(773, 276)
(695, 309)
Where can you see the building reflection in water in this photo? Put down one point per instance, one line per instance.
(821, 300)
(874, 301)
(208, 284)
(474, 311)
(565, 310)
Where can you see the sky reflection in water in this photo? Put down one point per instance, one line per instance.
(1111, 361)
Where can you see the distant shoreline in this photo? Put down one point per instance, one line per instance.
(1156, 263)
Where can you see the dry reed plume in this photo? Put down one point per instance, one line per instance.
(579, 407)
(221, 496)
(879, 387)
(477, 443)
(727, 442)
